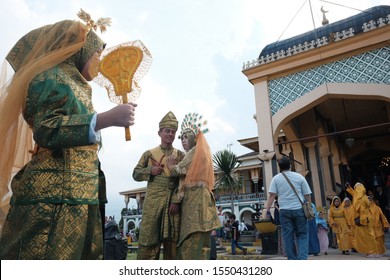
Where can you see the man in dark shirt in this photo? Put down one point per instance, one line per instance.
(235, 236)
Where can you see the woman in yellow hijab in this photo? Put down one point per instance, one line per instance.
(338, 223)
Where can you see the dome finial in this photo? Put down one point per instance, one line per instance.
(325, 21)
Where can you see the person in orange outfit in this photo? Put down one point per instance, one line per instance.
(339, 225)
(364, 235)
(377, 220)
(349, 213)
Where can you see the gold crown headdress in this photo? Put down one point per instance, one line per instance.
(102, 23)
(194, 122)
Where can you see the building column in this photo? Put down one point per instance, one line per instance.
(326, 166)
(264, 131)
(237, 210)
(268, 171)
(336, 161)
(313, 167)
(124, 225)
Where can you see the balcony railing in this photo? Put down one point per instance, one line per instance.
(243, 197)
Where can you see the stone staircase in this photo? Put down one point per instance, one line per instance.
(254, 251)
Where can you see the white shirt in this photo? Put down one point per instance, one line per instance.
(242, 227)
(94, 137)
(221, 218)
(286, 196)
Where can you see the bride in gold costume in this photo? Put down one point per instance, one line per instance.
(198, 215)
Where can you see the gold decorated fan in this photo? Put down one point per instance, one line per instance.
(120, 70)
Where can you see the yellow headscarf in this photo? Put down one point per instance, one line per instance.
(332, 205)
(359, 196)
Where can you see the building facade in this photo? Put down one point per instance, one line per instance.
(322, 98)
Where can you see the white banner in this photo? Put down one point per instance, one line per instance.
(220, 269)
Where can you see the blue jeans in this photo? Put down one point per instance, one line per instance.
(295, 228)
(234, 244)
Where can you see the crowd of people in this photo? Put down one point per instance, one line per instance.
(356, 223)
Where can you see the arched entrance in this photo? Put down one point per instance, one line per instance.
(369, 168)
(340, 135)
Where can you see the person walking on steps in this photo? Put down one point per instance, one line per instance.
(236, 236)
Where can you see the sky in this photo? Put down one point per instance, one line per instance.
(198, 49)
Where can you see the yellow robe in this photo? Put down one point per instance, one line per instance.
(364, 234)
(349, 213)
(338, 223)
(378, 222)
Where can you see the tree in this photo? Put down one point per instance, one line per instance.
(225, 165)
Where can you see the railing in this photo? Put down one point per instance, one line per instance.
(132, 212)
(246, 199)
(243, 197)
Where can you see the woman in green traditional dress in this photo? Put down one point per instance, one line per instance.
(54, 208)
(198, 215)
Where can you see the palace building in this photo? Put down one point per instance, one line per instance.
(323, 99)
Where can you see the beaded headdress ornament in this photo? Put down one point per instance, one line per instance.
(193, 122)
(201, 169)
